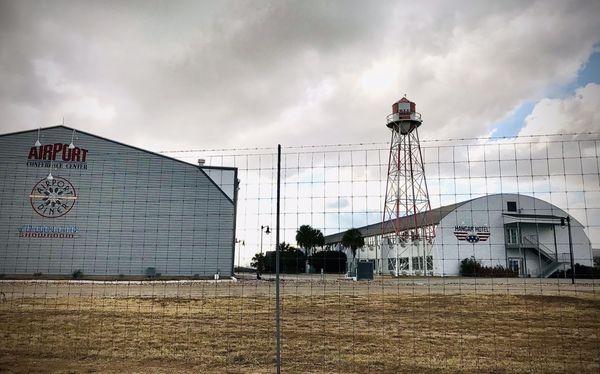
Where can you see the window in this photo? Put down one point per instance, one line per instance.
(511, 206)
(403, 263)
(512, 235)
(391, 263)
(417, 263)
(429, 262)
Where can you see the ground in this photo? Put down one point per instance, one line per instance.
(329, 324)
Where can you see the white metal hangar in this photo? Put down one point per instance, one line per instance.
(518, 232)
(73, 201)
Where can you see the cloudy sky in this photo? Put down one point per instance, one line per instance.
(170, 75)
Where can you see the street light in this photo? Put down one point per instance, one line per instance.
(240, 243)
(562, 224)
(267, 231)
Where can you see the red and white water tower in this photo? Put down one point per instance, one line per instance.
(406, 189)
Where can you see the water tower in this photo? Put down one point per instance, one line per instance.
(407, 198)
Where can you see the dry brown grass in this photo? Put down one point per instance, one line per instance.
(375, 332)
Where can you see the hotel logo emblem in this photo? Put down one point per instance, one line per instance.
(472, 234)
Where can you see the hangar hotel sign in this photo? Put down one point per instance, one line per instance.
(472, 234)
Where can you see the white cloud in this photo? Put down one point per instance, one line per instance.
(577, 113)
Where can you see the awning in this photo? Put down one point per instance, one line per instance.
(510, 218)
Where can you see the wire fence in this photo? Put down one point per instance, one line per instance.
(154, 242)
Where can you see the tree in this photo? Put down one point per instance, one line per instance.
(353, 239)
(258, 262)
(329, 261)
(309, 238)
(291, 260)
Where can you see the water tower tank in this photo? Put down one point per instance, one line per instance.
(404, 117)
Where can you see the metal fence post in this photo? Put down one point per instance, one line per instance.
(277, 259)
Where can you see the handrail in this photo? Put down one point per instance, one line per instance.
(541, 248)
(393, 117)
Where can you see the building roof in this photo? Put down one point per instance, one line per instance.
(202, 168)
(427, 218)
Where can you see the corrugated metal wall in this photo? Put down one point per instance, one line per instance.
(134, 210)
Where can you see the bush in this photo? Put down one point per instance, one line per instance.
(292, 260)
(470, 267)
(77, 274)
(329, 261)
(258, 262)
(151, 273)
(581, 271)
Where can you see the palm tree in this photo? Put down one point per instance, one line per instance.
(353, 239)
(309, 238)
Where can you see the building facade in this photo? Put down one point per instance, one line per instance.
(515, 231)
(76, 201)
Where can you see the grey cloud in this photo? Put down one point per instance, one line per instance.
(191, 74)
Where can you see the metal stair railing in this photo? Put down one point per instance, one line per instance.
(540, 248)
(550, 263)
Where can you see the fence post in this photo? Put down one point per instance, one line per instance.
(277, 259)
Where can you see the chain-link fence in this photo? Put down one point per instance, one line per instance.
(151, 264)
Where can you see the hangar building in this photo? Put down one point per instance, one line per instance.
(520, 232)
(72, 201)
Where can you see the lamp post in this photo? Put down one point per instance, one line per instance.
(240, 243)
(267, 230)
(562, 223)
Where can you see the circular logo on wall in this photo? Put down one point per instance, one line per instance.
(53, 198)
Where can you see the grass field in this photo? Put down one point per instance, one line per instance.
(335, 326)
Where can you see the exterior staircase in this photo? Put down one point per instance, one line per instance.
(549, 260)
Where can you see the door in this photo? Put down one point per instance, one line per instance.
(515, 264)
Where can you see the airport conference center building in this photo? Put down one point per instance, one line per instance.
(77, 202)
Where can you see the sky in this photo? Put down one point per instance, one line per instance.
(172, 75)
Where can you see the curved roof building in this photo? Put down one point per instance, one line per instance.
(518, 232)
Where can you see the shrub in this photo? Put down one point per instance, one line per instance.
(258, 262)
(329, 261)
(470, 267)
(292, 260)
(77, 274)
(581, 271)
(151, 273)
